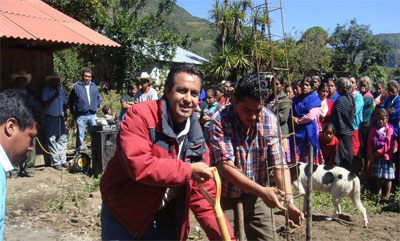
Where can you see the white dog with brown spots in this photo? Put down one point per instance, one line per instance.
(338, 181)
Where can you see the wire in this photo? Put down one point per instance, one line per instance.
(47, 152)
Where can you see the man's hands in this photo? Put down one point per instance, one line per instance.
(201, 172)
(295, 216)
(270, 199)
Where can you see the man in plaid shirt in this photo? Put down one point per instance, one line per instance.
(244, 144)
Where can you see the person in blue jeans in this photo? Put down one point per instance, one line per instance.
(84, 100)
(19, 118)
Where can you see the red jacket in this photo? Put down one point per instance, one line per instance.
(145, 164)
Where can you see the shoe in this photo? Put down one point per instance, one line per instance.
(25, 174)
(58, 167)
(65, 165)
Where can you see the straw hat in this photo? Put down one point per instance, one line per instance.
(145, 75)
(21, 73)
(54, 75)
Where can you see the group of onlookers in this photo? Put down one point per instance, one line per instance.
(347, 125)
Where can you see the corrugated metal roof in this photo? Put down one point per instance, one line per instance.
(185, 56)
(35, 20)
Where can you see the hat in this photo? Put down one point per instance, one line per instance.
(54, 75)
(21, 73)
(145, 75)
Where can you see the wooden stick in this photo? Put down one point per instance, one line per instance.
(309, 194)
(219, 214)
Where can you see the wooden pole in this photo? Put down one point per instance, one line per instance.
(309, 194)
(240, 215)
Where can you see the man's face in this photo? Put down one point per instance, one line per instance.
(332, 87)
(21, 142)
(132, 91)
(55, 82)
(183, 97)
(144, 83)
(21, 83)
(248, 111)
(87, 77)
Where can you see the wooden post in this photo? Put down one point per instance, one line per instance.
(240, 215)
(309, 194)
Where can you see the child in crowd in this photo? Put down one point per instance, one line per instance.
(289, 91)
(108, 115)
(328, 143)
(381, 146)
(326, 105)
(208, 111)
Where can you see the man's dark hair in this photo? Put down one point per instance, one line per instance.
(131, 87)
(105, 109)
(178, 68)
(16, 104)
(252, 87)
(86, 70)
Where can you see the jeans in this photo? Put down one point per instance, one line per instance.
(163, 227)
(56, 139)
(82, 122)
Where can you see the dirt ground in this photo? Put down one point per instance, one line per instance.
(57, 205)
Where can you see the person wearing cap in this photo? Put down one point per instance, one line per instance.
(84, 100)
(19, 118)
(146, 92)
(26, 167)
(55, 104)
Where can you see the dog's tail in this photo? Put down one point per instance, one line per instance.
(356, 197)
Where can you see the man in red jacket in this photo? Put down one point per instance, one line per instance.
(150, 184)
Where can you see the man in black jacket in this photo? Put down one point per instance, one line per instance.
(84, 100)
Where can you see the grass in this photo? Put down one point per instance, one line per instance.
(322, 201)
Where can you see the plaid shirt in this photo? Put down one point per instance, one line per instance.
(248, 153)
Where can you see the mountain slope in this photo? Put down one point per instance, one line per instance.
(393, 40)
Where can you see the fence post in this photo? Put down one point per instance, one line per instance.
(309, 194)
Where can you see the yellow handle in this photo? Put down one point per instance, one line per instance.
(219, 214)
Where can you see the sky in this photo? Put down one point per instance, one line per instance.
(383, 16)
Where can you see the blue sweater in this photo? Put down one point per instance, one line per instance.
(79, 102)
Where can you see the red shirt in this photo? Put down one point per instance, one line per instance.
(328, 149)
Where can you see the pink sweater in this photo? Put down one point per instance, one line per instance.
(387, 148)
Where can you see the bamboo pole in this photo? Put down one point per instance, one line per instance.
(308, 194)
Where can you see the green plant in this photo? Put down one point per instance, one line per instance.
(95, 185)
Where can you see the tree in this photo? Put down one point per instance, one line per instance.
(376, 73)
(143, 37)
(354, 48)
(313, 55)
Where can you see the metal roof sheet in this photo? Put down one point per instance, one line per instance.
(35, 20)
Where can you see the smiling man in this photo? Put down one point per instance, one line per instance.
(244, 144)
(150, 184)
(19, 117)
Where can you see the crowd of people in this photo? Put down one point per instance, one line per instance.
(246, 129)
